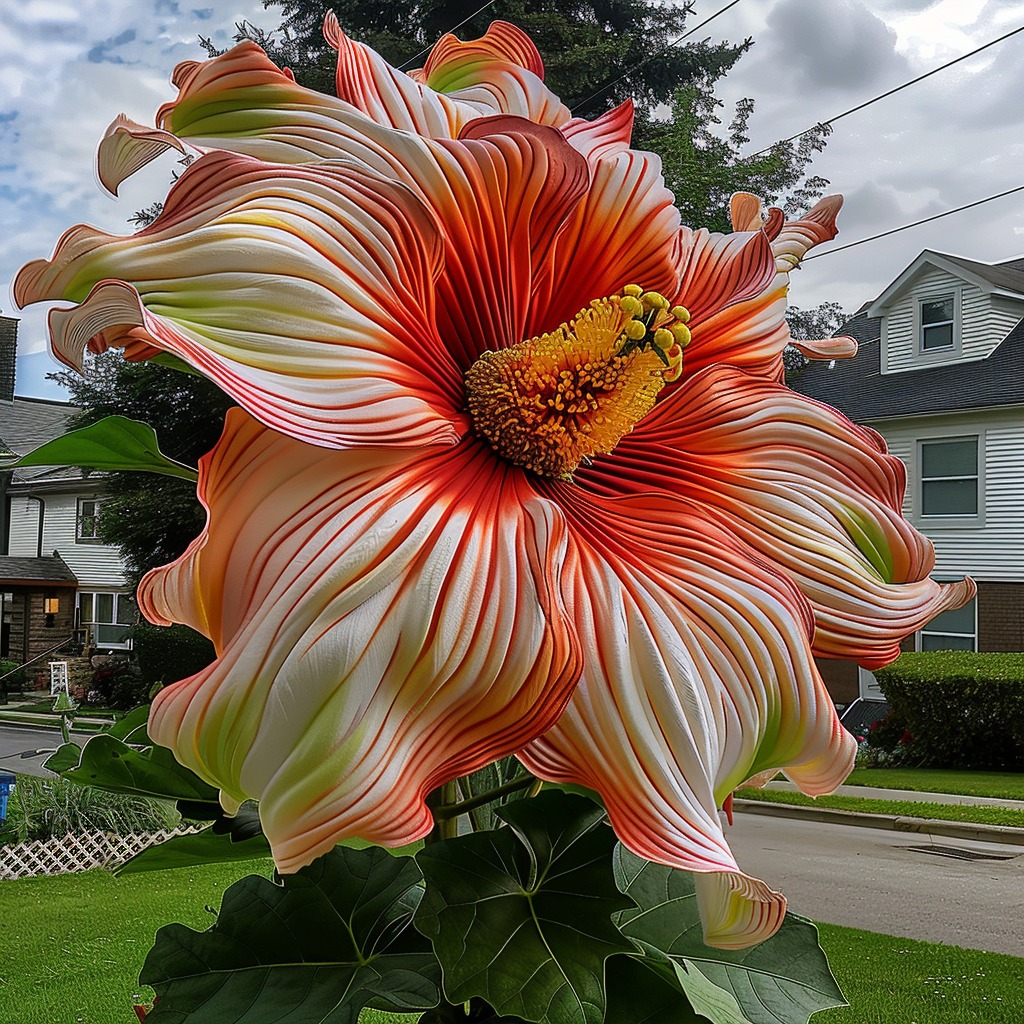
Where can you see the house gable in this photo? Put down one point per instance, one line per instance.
(945, 310)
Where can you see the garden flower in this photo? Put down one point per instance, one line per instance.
(515, 470)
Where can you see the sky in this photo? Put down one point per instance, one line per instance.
(68, 67)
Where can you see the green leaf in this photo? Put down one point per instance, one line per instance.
(206, 847)
(781, 981)
(521, 916)
(66, 756)
(132, 727)
(111, 764)
(328, 941)
(231, 837)
(114, 443)
(644, 992)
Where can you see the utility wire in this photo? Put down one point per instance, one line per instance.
(653, 56)
(427, 49)
(882, 96)
(916, 223)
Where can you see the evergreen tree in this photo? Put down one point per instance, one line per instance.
(587, 47)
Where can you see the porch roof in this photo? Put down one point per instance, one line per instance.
(23, 572)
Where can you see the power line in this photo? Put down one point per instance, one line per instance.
(653, 56)
(882, 96)
(916, 223)
(427, 49)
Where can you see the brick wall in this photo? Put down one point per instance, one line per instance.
(840, 679)
(1001, 616)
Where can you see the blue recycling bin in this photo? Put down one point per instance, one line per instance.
(7, 780)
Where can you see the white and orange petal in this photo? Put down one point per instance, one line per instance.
(383, 622)
(500, 73)
(750, 333)
(812, 492)
(698, 675)
(126, 146)
(304, 292)
(624, 231)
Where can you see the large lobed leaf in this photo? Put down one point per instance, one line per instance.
(521, 916)
(781, 981)
(319, 947)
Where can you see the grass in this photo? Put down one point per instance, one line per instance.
(73, 946)
(899, 808)
(901, 981)
(1000, 785)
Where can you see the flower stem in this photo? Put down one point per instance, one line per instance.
(446, 810)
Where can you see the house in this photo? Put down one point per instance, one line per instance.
(940, 375)
(60, 586)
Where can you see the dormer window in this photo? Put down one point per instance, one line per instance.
(938, 326)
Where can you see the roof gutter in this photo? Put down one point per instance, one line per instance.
(42, 517)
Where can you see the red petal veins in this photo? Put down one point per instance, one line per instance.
(305, 292)
(497, 74)
(699, 674)
(812, 492)
(382, 623)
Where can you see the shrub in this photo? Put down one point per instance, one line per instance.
(963, 710)
(118, 684)
(16, 681)
(48, 808)
(169, 653)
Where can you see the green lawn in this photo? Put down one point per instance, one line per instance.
(900, 808)
(1001, 785)
(73, 945)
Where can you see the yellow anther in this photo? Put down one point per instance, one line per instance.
(664, 339)
(635, 330)
(654, 300)
(681, 333)
(633, 290)
(681, 313)
(554, 402)
(631, 305)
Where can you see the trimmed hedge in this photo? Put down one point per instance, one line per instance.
(169, 653)
(963, 709)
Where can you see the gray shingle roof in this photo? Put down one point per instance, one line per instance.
(48, 569)
(25, 424)
(858, 388)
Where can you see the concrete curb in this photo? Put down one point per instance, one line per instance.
(28, 720)
(928, 826)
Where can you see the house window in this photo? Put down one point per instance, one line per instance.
(937, 320)
(955, 630)
(88, 521)
(949, 477)
(107, 616)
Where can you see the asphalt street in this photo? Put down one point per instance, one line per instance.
(15, 739)
(938, 889)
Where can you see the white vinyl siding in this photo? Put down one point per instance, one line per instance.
(992, 548)
(95, 565)
(982, 321)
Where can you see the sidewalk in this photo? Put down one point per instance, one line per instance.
(877, 793)
(897, 823)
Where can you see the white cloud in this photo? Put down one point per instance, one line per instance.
(66, 69)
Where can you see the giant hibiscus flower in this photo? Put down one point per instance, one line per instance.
(514, 472)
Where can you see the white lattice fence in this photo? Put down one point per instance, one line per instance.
(77, 852)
